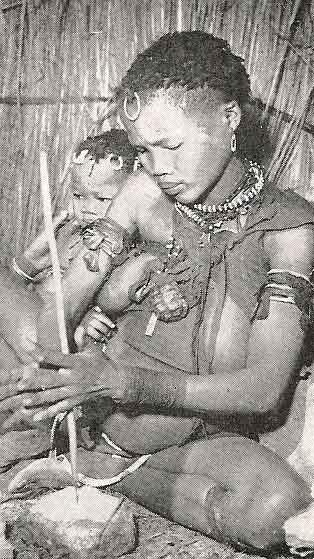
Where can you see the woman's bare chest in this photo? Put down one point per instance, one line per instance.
(223, 334)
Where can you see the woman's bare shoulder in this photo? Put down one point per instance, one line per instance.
(291, 249)
(140, 204)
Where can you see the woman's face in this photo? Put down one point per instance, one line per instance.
(186, 152)
(93, 187)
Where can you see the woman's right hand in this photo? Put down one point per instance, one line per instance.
(13, 413)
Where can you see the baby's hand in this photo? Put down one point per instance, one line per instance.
(95, 325)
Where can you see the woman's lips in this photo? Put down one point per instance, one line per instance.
(172, 188)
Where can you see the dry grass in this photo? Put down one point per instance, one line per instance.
(58, 57)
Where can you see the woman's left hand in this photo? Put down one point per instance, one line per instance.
(80, 378)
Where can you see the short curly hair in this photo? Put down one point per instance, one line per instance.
(112, 141)
(200, 64)
(190, 59)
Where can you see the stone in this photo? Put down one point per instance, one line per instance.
(98, 526)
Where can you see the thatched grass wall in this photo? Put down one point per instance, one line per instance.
(60, 60)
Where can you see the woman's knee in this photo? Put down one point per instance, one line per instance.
(255, 515)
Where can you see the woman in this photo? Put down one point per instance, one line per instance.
(213, 340)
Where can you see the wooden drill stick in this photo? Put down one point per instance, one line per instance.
(47, 211)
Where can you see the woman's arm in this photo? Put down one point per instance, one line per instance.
(275, 343)
(273, 358)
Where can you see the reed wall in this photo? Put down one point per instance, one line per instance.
(61, 59)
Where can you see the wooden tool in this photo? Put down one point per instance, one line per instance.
(47, 211)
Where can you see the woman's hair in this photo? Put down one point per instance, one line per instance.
(114, 141)
(190, 59)
(198, 62)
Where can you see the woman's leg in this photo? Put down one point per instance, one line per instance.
(229, 488)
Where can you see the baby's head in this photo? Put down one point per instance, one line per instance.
(100, 166)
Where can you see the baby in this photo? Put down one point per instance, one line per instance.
(101, 166)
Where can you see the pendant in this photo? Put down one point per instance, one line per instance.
(202, 239)
(151, 324)
(205, 238)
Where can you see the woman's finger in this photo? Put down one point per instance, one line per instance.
(19, 416)
(8, 391)
(47, 379)
(12, 403)
(26, 372)
(65, 405)
(56, 394)
(14, 375)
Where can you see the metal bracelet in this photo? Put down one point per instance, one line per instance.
(19, 271)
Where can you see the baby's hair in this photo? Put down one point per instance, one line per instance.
(113, 141)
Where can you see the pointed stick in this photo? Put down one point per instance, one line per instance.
(47, 211)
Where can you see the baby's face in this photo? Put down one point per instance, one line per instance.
(93, 187)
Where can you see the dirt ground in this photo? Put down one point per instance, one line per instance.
(161, 539)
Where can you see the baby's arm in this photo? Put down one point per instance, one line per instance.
(80, 282)
(113, 298)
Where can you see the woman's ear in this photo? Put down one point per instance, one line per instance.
(233, 114)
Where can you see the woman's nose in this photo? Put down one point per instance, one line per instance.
(161, 164)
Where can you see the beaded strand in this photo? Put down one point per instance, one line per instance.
(213, 215)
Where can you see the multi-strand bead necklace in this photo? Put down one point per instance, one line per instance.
(208, 218)
(211, 217)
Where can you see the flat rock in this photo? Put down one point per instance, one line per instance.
(99, 526)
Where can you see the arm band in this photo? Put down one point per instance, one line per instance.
(290, 287)
(145, 388)
(24, 268)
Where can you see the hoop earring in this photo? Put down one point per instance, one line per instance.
(112, 157)
(233, 143)
(138, 108)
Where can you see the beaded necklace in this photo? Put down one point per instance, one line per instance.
(211, 217)
(167, 299)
